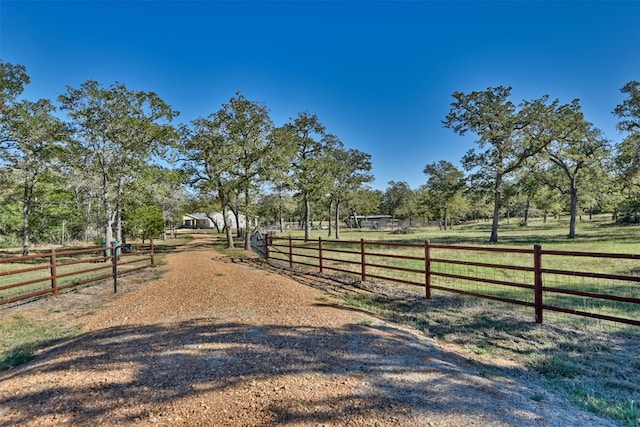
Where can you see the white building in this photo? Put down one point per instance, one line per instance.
(213, 220)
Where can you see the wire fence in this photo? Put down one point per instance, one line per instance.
(604, 286)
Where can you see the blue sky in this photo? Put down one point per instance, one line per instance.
(379, 75)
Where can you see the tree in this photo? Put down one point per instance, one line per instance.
(13, 78)
(349, 171)
(529, 182)
(398, 200)
(246, 126)
(627, 159)
(147, 221)
(208, 164)
(310, 144)
(84, 187)
(509, 136)
(445, 182)
(581, 147)
(364, 201)
(29, 148)
(275, 206)
(161, 187)
(116, 131)
(629, 110)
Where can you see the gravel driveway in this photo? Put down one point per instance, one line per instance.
(214, 342)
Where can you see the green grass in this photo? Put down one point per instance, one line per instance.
(598, 234)
(162, 247)
(598, 371)
(22, 336)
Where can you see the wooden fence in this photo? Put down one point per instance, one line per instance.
(25, 277)
(535, 278)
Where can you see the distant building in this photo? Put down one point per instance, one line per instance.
(213, 220)
(372, 221)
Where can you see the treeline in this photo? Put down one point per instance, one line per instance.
(538, 155)
(88, 168)
(109, 162)
(103, 163)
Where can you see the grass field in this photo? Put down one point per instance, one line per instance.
(598, 234)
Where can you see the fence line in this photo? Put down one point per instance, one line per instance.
(538, 281)
(44, 277)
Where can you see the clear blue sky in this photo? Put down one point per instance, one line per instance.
(379, 75)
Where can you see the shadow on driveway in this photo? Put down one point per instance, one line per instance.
(161, 364)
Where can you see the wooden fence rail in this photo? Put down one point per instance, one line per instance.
(25, 277)
(533, 278)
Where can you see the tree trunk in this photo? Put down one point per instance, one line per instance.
(330, 206)
(108, 211)
(236, 215)
(307, 214)
(247, 237)
(215, 223)
(164, 228)
(337, 219)
(227, 226)
(87, 228)
(281, 221)
(119, 209)
(280, 213)
(573, 210)
(527, 208)
(225, 215)
(496, 210)
(444, 218)
(26, 213)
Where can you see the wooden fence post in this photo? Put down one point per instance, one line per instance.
(290, 253)
(153, 259)
(54, 273)
(537, 281)
(320, 254)
(363, 273)
(427, 269)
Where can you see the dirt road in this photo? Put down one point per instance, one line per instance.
(214, 342)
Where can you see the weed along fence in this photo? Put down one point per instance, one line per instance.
(25, 277)
(595, 285)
